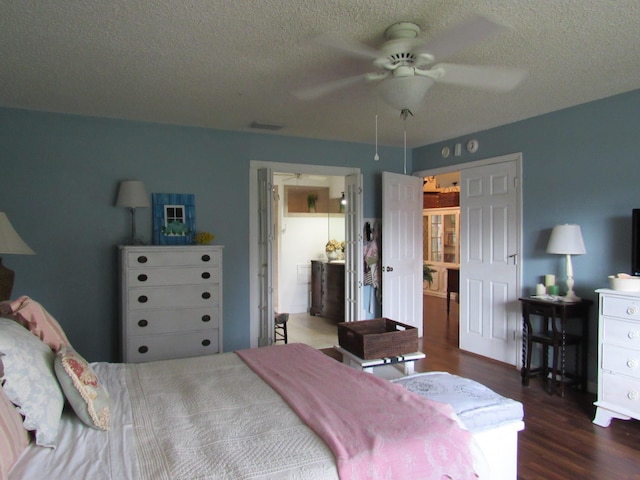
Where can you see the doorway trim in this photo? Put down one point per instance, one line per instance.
(254, 166)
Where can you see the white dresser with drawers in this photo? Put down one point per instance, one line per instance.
(171, 302)
(618, 356)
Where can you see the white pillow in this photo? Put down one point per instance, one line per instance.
(30, 382)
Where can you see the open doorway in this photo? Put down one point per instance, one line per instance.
(308, 214)
(261, 238)
(441, 257)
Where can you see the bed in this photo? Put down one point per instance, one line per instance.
(281, 412)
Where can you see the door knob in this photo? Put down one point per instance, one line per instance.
(389, 269)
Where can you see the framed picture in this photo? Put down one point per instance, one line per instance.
(174, 218)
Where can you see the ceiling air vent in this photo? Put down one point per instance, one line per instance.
(265, 126)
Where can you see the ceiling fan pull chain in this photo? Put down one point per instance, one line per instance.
(376, 157)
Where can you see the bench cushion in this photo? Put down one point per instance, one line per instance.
(478, 407)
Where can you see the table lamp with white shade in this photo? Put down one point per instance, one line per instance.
(11, 243)
(132, 195)
(567, 240)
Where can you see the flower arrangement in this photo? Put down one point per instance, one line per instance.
(204, 238)
(333, 246)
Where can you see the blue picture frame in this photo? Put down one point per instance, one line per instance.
(174, 218)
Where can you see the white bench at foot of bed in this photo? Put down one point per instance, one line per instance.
(499, 445)
(493, 420)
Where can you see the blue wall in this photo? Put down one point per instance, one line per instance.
(580, 165)
(60, 176)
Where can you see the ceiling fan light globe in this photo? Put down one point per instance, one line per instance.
(405, 92)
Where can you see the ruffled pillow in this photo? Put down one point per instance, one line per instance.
(84, 392)
(31, 315)
(29, 381)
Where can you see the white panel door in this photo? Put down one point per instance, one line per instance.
(489, 272)
(402, 249)
(353, 282)
(265, 255)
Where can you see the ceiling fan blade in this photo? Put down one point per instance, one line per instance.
(498, 79)
(461, 36)
(352, 48)
(318, 91)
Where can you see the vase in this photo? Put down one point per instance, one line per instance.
(332, 255)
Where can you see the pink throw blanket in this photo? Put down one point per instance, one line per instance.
(375, 429)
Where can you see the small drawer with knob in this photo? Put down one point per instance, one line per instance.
(173, 296)
(621, 307)
(621, 360)
(159, 347)
(167, 321)
(152, 277)
(621, 332)
(623, 392)
(173, 257)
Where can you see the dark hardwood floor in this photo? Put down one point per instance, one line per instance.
(559, 440)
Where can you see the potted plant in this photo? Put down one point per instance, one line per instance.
(427, 273)
(311, 201)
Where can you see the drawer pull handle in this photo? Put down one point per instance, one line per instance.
(206, 295)
(143, 299)
(206, 342)
(632, 310)
(142, 277)
(632, 395)
(633, 334)
(632, 363)
(206, 258)
(206, 275)
(206, 318)
(142, 259)
(143, 323)
(143, 349)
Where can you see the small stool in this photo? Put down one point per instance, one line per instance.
(280, 327)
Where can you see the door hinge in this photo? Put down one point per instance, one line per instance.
(515, 182)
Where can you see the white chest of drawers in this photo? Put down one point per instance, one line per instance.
(618, 357)
(171, 302)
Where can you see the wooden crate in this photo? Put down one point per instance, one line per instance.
(377, 338)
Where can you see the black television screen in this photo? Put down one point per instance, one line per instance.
(635, 242)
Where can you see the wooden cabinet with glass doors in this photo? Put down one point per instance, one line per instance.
(441, 246)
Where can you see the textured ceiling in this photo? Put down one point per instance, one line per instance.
(227, 63)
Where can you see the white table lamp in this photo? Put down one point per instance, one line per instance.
(11, 243)
(132, 195)
(567, 240)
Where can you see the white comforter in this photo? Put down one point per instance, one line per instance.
(204, 417)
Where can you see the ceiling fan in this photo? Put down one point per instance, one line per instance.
(406, 67)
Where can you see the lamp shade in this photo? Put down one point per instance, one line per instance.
(566, 240)
(405, 92)
(132, 194)
(10, 241)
